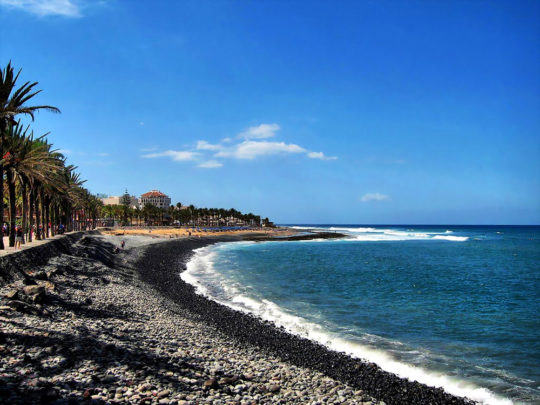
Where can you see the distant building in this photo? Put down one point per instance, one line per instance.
(156, 198)
(111, 200)
(117, 200)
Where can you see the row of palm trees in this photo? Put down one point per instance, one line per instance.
(185, 215)
(39, 185)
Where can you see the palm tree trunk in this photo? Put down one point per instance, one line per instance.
(43, 224)
(12, 207)
(24, 209)
(1, 200)
(31, 214)
(48, 216)
(53, 218)
(38, 216)
(57, 215)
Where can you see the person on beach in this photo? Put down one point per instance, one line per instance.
(123, 244)
(18, 237)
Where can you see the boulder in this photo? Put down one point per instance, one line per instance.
(12, 295)
(41, 275)
(33, 289)
(211, 383)
(23, 307)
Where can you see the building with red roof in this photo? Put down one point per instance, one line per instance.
(156, 198)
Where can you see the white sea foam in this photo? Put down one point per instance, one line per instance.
(207, 281)
(452, 238)
(369, 234)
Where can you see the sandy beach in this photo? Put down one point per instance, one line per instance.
(79, 323)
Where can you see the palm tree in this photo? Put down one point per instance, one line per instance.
(25, 161)
(12, 105)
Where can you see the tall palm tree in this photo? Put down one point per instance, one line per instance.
(12, 103)
(26, 160)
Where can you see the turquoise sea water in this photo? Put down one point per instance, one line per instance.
(456, 307)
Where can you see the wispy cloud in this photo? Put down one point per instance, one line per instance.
(320, 155)
(176, 155)
(251, 149)
(374, 197)
(65, 8)
(210, 164)
(262, 131)
(249, 144)
(203, 145)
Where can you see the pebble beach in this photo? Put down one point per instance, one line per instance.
(86, 325)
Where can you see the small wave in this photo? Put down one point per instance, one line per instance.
(337, 228)
(452, 238)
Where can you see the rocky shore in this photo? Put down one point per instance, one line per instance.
(86, 325)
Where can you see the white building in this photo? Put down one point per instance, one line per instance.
(156, 198)
(117, 200)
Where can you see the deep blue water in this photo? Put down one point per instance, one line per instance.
(456, 307)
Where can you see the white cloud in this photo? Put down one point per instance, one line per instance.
(66, 8)
(226, 140)
(252, 149)
(260, 132)
(320, 155)
(176, 155)
(203, 145)
(374, 197)
(210, 164)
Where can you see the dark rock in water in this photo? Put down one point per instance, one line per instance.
(211, 383)
(311, 236)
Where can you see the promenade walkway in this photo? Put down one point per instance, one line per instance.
(8, 250)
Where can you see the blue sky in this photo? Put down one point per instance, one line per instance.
(303, 111)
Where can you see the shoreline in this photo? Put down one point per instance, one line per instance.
(299, 351)
(126, 329)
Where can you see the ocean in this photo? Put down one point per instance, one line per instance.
(456, 307)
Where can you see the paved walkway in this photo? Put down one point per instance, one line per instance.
(8, 250)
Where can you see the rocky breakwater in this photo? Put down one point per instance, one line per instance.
(13, 266)
(82, 327)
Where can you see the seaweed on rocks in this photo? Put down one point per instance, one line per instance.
(160, 266)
